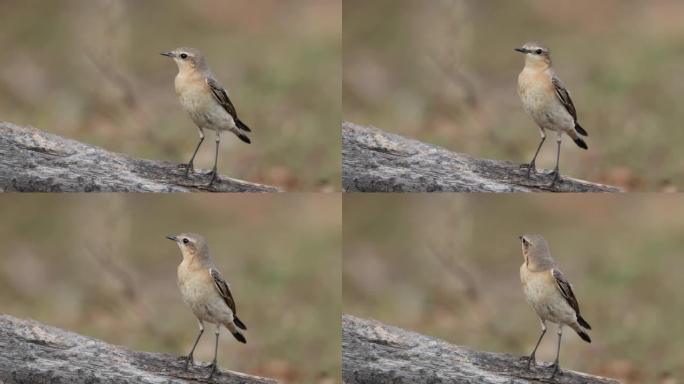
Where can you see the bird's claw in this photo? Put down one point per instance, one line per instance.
(189, 166)
(531, 168)
(188, 361)
(556, 178)
(213, 370)
(556, 370)
(531, 361)
(213, 178)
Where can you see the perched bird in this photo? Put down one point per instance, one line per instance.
(205, 100)
(549, 293)
(205, 291)
(547, 101)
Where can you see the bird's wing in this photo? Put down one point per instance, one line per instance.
(564, 96)
(221, 96)
(223, 289)
(565, 289)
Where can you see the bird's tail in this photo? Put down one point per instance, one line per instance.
(236, 333)
(241, 135)
(580, 130)
(245, 128)
(580, 320)
(580, 331)
(580, 143)
(242, 326)
(578, 140)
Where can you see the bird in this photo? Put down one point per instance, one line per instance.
(206, 292)
(205, 100)
(546, 99)
(549, 293)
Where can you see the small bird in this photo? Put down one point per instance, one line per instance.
(546, 99)
(549, 293)
(205, 100)
(205, 291)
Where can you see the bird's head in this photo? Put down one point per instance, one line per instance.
(534, 248)
(190, 244)
(186, 58)
(535, 54)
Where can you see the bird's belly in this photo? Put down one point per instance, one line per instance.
(205, 111)
(547, 301)
(546, 111)
(205, 302)
(199, 298)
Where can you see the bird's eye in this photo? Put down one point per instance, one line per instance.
(185, 56)
(185, 240)
(538, 52)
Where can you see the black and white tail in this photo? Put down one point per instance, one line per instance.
(233, 328)
(578, 140)
(580, 143)
(579, 328)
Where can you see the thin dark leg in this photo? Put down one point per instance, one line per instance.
(213, 171)
(189, 358)
(532, 167)
(556, 364)
(213, 364)
(532, 358)
(192, 159)
(556, 172)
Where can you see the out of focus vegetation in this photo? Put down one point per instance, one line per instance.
(445, 72)
(91, 71)
(101, 266)
(448, 266)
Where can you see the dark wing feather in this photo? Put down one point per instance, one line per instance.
(223, 289)
(564, 97)
(566, 290)
(221, 96)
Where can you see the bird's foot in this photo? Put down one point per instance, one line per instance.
(213, 177)
(531, 361)
(531, 168)
(556, 178)
(188, 361)
(556, 370)
(188, 167)
(213, 370)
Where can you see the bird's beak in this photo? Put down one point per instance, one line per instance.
(172, 237)
(521, 50)
(168, 54)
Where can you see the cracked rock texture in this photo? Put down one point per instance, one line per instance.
(373, 352)
(378, 161)
(35, 161)
(31, 352)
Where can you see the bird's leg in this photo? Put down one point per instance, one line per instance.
(190, 165)
(556, 172)
(213, 171)
(189, 358)
(532, 359)
(213, 364)
(532, 167)
(556, 365)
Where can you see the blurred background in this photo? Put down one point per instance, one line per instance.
(445, 72)
(101, 266)
(448, 266)
(91, 71)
